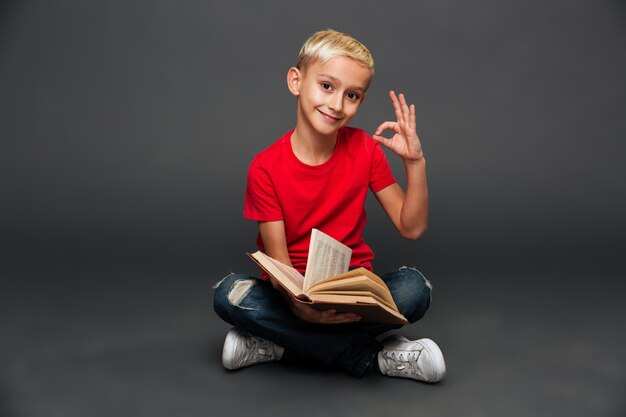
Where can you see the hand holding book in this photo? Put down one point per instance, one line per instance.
(343, 297)
(309, 314)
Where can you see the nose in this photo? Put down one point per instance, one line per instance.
(336, 102)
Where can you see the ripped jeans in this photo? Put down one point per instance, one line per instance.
(253, 305)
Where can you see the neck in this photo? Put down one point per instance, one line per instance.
(311, 147)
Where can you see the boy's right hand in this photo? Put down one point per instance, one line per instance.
(312, 315)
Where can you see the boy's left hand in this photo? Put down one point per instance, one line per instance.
(405, 142)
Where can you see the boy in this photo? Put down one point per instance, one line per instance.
(317, 176)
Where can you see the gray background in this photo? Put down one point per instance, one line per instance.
(126, 129)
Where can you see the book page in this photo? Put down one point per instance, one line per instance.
(369, 308)
(289, 277)
(355, 280)
(361, 283)
(327, 257)
(353, 294)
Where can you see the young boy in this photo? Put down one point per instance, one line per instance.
(317, 176)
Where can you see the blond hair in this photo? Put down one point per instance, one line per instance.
(327, 44)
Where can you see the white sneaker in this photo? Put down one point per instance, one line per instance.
(418, 359)
(242, 349)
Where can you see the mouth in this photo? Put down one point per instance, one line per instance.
(330, 118)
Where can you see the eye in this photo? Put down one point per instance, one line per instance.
(353, 96)
(326, 86)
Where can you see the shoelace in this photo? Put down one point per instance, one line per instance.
(403, 363)
(257, 347)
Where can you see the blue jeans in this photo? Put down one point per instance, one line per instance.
(253, 305)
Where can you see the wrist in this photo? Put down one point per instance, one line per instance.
(415, 161)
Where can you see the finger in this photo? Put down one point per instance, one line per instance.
(405, 109)
(412, 121)
(388, 125)
(350, 318)
(334, 315)
(383, 141)
(342, 318)
(327, 313)
(330, 316)
(346, 315)
(396, 105)
(403, 105)
(353, 317)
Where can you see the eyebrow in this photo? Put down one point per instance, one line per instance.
(336, 80)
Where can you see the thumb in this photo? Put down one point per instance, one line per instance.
(383, 141)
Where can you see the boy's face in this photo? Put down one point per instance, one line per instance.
(329, 93)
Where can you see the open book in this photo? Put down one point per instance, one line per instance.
(328, 283)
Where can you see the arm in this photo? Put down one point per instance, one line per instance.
(408, 211)
(275, 242)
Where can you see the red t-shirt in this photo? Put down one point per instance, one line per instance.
(329, 197)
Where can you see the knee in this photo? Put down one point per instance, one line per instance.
(414, 294)
(229, 292)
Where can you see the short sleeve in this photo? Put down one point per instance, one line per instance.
(380, 172)
(261, 202)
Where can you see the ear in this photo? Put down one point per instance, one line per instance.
(294, 79)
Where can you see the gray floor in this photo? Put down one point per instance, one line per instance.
(137, 342)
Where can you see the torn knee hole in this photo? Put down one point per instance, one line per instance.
(238, 292)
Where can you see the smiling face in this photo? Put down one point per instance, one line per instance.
(329, 93)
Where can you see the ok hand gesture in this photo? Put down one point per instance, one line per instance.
(404, 142)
